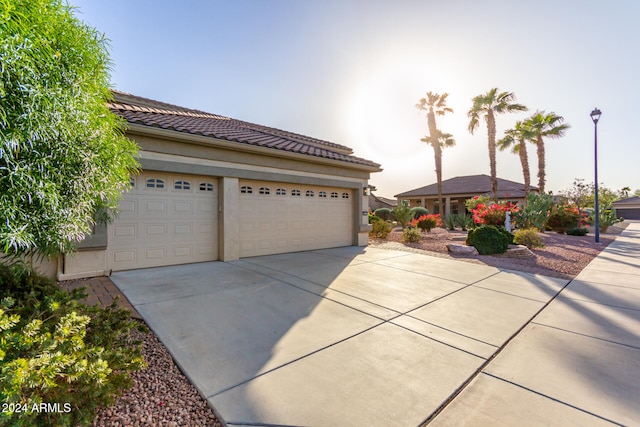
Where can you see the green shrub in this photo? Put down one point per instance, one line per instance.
(402, 213)
(464, 221)
(607, 218)
(563, 218)
(488, 240)
(535, 212)
(450, 222)
(384, 213)
(578, 231)
(411, 234)
(380, 230)
(373, 218)
(528, 237)
(507, 234)
(55, 349)
(418, 211)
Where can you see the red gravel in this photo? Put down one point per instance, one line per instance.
(562, 256)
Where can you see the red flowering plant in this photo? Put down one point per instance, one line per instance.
(426, 222)
(493, 214)
(563, 218)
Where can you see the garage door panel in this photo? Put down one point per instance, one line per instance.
(176, 224)
(285, 222)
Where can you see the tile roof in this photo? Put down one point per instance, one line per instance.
(470, 184)
(147, 112)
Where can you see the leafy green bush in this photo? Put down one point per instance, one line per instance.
(488, 240)
(578, 231)
(473, 202)
(507, 234)
(402, 213)
(380, 230)
(411, 234)
(535, 212)
(418, 211)
(563, 218)
(384, 213)
(55, 349)
(607, 218)
(528, 237)
(373, 218)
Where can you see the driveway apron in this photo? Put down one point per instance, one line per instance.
(347, 336)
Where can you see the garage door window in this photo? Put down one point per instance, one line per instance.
(281, 192)
(334, 195)
(345, 195)
(206, 186)
(245, 189)
(322, 194)
(295, 193)
(264, 191)
(182, 185)
(155, 183)
(309, 193)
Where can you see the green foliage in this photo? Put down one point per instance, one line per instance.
(380, 230)
(402, 213)
(506, 233)
(373, 218)
(528, 237)
(578, 231)
(464, 221)
(384, 213)
(488, 240)
(411, 235)
(55, 349)
(473, 202)
(535, 213)
(450, 222)
(427, 222)
(607, 218)
(62, 152)
(418, 211)
(563, 218)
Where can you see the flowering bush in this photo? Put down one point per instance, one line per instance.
(473, 202)
(493, 214)
(563, 218)
(426, 222)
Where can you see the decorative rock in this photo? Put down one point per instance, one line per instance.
(461, 249)
(518, 251)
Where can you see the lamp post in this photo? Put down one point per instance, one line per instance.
(595, 116)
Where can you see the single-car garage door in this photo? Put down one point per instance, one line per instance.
(279, 218)
(165, 219)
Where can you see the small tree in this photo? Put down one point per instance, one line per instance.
(403, 213)
(63, 155)
(578, 194)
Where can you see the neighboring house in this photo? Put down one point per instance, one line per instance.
(628, 208)
(216, 188)
(376, 202)
(457, 190)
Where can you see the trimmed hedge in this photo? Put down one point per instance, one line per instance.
(488, 240)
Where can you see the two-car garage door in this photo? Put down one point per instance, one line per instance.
(168, 219)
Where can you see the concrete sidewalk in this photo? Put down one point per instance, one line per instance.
(347, 336)
(576, 363)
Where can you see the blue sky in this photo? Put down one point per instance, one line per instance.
(351, 72)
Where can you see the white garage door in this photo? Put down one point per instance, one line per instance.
(165, 219)
(278, 218)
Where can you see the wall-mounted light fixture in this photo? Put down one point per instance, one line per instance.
(366, 191)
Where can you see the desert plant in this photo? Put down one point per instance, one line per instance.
(528, 237)
(493, 214)
(373, 218)
(563, 218)
(607, 218)
(411, 234)
(426, 222)
(488, 240)
(578, 231)
(58, 350)
(450, 221)
(402, 213)
(464, 221)
(384, 213)
(535, 212)
(380, 229)
(418, 211)
(473, 202)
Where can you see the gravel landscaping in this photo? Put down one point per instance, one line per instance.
(562, 256)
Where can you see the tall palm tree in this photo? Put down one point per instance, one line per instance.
(516, 139)
(435, 104)
(488, 105)
(544, 125)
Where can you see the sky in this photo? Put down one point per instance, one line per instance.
(351, 72)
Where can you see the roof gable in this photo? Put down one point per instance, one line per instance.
(470, 184)
(147, 112)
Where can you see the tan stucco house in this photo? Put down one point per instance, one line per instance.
(216, 188)
(456, 190)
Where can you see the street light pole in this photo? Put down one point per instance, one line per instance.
(595, 116)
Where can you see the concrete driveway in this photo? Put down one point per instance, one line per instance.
(348, 336)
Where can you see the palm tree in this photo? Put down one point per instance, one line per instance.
(544, 125)
(435, 104)
(516, 139)
(488, 105)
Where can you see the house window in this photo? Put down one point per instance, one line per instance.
(206, 186)
(155, 183)
(345, 195)
(132, 182)
(245, 189)
(295, 193)
(281, 192)
(182, 185)
(322, 194)
(264, 190)
(334, 195)
(309, 193)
